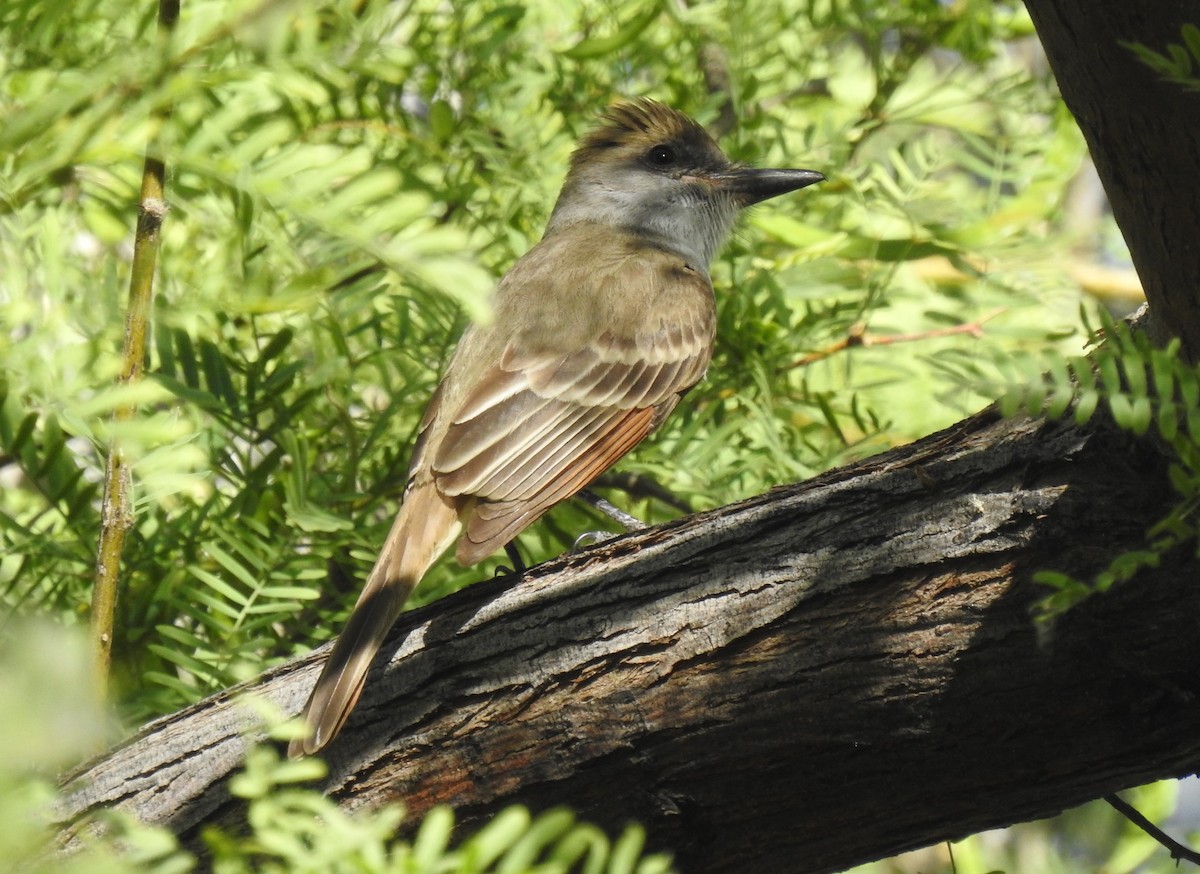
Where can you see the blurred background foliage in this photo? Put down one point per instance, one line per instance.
(347, 179)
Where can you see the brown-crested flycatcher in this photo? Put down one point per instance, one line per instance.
(599, 330)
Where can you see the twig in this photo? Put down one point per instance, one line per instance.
(116, 514)
(718, 80)
(1178, 851)
(857, 336)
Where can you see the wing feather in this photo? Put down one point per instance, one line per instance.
(486, 472)
(494, 524)
(553, 413)
(501, 430)
(491, 394)
(537, 466)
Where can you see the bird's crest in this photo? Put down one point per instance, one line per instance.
(639, 123)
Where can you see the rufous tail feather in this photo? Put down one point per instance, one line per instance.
(424, 528)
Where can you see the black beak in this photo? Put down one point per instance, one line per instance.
(750, 186)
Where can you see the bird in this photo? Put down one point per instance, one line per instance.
(597, 333)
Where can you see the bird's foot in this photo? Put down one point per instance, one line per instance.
(591, 538)
(514, 555)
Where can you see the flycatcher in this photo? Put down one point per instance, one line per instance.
(599, 330)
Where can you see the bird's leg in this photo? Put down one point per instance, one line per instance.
(641, 485)
(626, 521)
(514, 555)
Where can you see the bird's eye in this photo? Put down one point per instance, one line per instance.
(661, 156)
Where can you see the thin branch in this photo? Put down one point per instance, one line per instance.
(1109, 284)
(857, 337)
(1178, 851)
(116, 515)
(718, 82)
(718, 79)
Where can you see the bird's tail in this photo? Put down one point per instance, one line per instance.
(426, 525)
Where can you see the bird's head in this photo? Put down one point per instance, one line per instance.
(654, 170)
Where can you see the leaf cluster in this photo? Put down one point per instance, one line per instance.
(298, 829)
(1139, 387)
(1179, 63)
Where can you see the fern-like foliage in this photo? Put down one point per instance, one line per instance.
(58, 498)
(1143, 389)
(1179, 62)
(298, 829)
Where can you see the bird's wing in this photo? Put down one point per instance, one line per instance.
(540, 426)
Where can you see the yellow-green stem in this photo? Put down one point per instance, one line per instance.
(116, 515)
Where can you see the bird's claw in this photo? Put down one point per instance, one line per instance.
(514, 555)
(591, 538)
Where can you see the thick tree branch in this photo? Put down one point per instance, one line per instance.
(1137, 127)
(853, 655)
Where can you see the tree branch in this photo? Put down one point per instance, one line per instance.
(116, 511)
(1130, 119)
(855, 652)
(857, 337)
(1178, 850)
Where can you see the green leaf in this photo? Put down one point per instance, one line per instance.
(235, 568)
(1141, 415)
(1184, 480)
(1191, 38)
(1086, 407)
(495, 838)
(543, 831)
(1110, 374)
(597, 47)
(1168, 421)
(1162, 367)
(433, 837)
(1058, 403)
(1122, 411)
(441, 120)
(219, 586)
(1193, 423)
(627, 851)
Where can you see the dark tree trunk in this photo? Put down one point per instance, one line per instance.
(827, 674)
(1142, 133)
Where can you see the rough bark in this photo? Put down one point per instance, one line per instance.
(827, 674)
(1142, 135)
